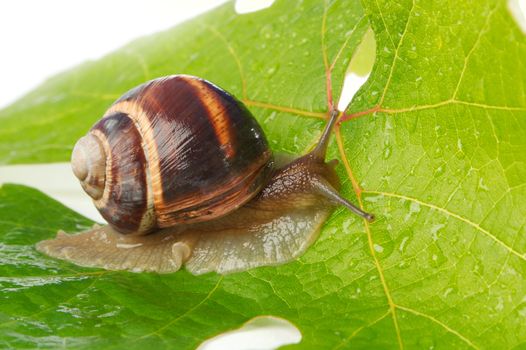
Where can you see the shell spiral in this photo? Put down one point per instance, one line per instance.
(174, 150)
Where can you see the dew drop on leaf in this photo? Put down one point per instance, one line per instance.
(373, 199)
(426, 342)
(440, 170)
(447, 292)
(272, 70)
(435, 229)
(266, 31)
(500, 304)
(459, 145)
(403, 244)
(414, 207)
(403, 264)
(482, 185)
(346, 224)
(411, 54)
(436, 256)
(387, 152)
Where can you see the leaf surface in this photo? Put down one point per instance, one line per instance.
(434, 144)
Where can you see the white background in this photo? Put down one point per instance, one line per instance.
(41, 38)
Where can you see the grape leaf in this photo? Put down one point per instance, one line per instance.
(434, 144)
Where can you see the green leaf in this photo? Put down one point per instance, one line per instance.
(434, 144)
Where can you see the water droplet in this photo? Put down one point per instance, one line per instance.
(403, 264)
(402, 245)
(272, 70)
(478, 269)
(434, 231)
(266, 31)
(387, 152)
(411, 54)
(440, 170)
(346, 224)
(500, 304)
(270, 118)
(436, 256)
(374, 199)
(482, 186)
(447, 292)
(414, 207)
(426, 342)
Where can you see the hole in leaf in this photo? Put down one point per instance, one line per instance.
(260, 333)
(517, 9)
(247, 6)
(359, 69)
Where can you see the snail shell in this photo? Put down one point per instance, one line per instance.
(171, 151)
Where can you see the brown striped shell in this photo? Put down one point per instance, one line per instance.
(174, 150)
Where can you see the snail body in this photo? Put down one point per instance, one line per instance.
(183, 174)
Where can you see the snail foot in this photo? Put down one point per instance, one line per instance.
(103, 247)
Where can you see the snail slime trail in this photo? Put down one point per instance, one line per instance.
(141, 165)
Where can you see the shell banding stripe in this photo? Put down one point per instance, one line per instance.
(196, 144)
(217, 114)
(124, 203)
(143, 126)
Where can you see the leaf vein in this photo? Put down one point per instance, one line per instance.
(457, 216)
(187, 312)
(359, 329)
(440, 323)
(477, 42)
(234, 55)
(370, 241)
(389, 77)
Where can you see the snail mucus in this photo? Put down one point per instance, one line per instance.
(183, 174)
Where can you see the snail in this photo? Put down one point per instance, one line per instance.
(183, 174)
